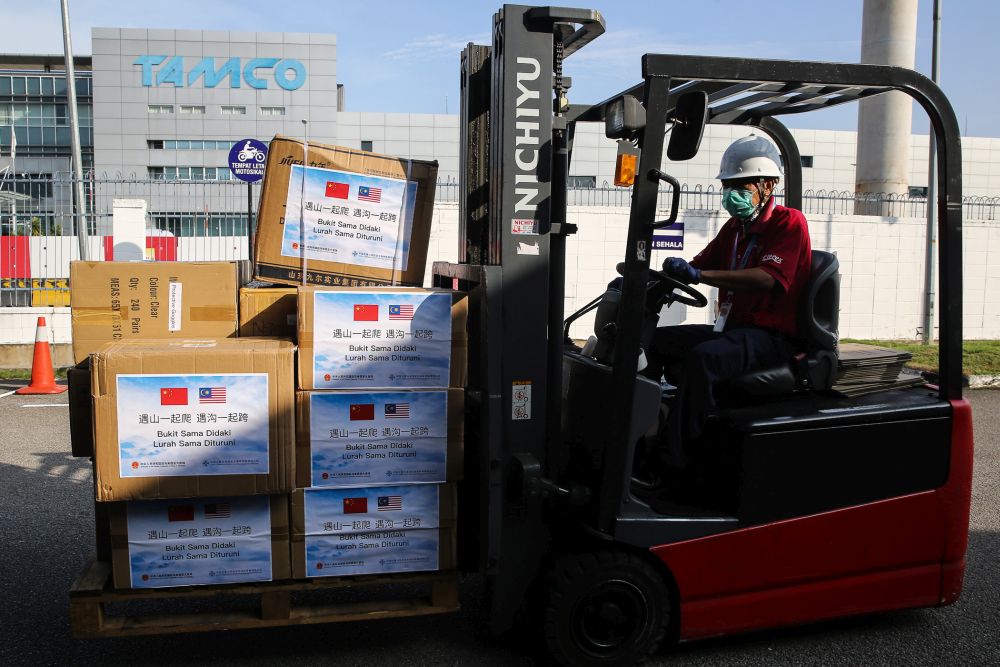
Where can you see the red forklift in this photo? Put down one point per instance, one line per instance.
(820, 505)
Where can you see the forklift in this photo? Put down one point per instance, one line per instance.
(822, 505)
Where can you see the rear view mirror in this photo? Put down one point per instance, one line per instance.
(690, 116)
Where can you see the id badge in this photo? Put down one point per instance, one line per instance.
(720, 321)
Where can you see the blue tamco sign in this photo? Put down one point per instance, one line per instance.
(288, 73)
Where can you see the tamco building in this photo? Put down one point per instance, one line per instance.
(167, 105)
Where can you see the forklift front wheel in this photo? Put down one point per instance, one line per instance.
(605, 608)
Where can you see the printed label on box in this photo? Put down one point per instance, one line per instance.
(348, 217)
(378, 438)
(177, 425)
(174, 306)
(361, 510)
(199, 541)
(381, 339)
(366, 531)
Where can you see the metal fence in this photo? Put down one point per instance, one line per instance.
(208, 220)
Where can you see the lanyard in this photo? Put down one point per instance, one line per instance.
(734, 267)
(746, 253)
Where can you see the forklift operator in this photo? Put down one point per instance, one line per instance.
(760, 261)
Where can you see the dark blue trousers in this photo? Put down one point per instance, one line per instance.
(697, 360)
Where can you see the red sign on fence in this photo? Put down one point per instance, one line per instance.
(15, 257)
(164, 248)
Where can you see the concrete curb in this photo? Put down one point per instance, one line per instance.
(984, 382)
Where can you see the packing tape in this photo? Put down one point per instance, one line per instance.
(212, 313)
(96, 315)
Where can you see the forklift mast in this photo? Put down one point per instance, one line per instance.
(512, 251)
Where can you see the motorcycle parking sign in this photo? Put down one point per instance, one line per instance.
(246, 160)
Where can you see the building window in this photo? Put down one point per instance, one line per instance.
(581, 182)
(161, 108)
(41, 128)
(366, 145)
(189, 144)
(201, 224)
(192, 109)
(272, 111)
(917, 191)
(806, 161)
(234, 111)
(188, 173)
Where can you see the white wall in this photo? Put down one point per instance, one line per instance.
(881, 262)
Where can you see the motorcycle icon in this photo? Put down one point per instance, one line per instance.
(251, 153)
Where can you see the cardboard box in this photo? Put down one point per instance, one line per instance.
(165, 543)
(114, 301)
(267, 311)
(184, 419)
(350, 439)
(374, 338)
(366, 218)
(377, 530)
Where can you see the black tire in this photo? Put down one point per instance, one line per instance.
(605, 608)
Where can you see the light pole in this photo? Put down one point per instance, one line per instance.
(930, 274)
(74, 125)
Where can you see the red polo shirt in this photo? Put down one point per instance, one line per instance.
(782, 248)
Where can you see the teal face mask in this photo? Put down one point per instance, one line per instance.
(738, 202)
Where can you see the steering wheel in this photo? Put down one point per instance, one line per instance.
(664, 288)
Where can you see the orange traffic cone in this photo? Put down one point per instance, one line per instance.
(43, 380)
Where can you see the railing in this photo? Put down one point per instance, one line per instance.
(207, 220)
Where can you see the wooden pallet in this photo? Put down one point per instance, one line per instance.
(93, 589)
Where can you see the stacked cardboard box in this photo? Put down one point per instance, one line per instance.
(209, 466)
(113, 301)
(193, 432)
(194, 444)
(358, 218)
(380, 424)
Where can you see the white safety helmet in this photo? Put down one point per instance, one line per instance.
(750, 157)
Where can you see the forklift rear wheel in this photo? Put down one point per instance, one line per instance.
(605, 608)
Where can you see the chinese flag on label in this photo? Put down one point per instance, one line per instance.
(365, 313)
(355, 505)
(337, 190)
(174, 396)
(180, 513)
(362, 411)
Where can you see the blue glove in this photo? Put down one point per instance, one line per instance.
(677, 268)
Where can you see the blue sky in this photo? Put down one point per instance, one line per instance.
(403, 56)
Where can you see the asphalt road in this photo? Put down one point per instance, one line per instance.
(46, 535)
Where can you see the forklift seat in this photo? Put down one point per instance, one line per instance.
(814, 365)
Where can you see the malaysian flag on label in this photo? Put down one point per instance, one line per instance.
(212, 395)
(368, 193)
(397, 410)
(217, 511)
(401, 312)
(387, 503)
